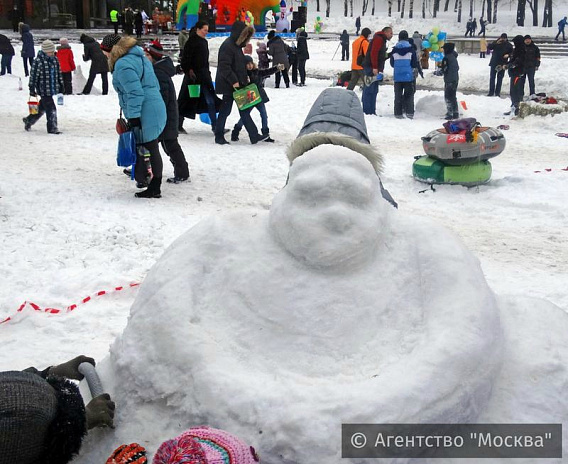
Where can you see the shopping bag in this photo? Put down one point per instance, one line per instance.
(247, 97)
(126, 152)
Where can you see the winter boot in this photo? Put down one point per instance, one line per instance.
(27, 125)
(235, 135)
(153, 190)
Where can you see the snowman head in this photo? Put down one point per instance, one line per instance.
(331, 213)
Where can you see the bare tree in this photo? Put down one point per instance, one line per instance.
(410, 9)
(482, 8)
(436, 8)
(533, 4)
(373, 9)
(471, 8)
(495, 5)
(398, 6)
(327, 8)
(521, 6)
(390, 8)
(345, 7)
(547, 14)
(364, 8)
(489, 10)
(446, 5)
(317, 5)
(459, 11)
(456, 6)
(424, 9)
(351, 7)
(403, 6)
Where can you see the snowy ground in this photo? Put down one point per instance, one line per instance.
(71, 225)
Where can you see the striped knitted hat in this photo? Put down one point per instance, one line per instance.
(205, 445)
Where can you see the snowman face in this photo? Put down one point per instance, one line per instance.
(331, 213)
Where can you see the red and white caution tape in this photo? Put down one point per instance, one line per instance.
(550, 169)
(69, 308)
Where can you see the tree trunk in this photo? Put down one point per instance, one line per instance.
(364, 8)
(535, 12)
(521, 5)
(435, 9)
(403, 6)
(317, 5)
(459, 11)
(345, 8)
(446, 5)
(410, 9)
(327, 8)
(482, 9)
(398, 6)
(489, 10)
(351, 7)
(495, 5)
(390, 8)
(456, 6)
(471, 8)
(424, 10)
(373, 9)
(547, 15)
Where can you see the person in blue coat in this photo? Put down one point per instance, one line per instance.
(561, 26)
(28, 50)
(403, 59)
(139, 96)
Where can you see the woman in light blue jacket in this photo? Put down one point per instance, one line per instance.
(139, 97)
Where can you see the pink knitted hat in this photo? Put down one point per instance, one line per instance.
(205, 445)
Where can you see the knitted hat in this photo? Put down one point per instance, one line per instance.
(528, 37)
(47, 46)
(248, 59)
(64, 41)
(205, 445)
(109, 41)
(155, 49)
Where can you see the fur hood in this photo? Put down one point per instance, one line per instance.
(241, 33)
(119, 50)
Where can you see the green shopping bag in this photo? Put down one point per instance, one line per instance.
(247, 97)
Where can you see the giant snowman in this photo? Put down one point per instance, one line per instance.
(333, 307)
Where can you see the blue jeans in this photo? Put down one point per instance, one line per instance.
(224, 113)
(369, 98)
(7, 64)
(261, 107)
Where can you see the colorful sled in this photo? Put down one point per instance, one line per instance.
(454, 149)
(432, 171)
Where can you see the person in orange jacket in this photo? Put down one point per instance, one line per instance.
(359, 50)
(67, 64)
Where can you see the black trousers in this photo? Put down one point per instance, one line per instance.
(115, 25)
(344, 52)
(517, 90)
(403, 98)
(302, 69)
(284, 74)
(294, 67)
(47, 107)
(495, 87)
(450, 90)
(177, 157)
(91, 79)
(67, 83)
(140, 172)
(26, 59)
(224, 113)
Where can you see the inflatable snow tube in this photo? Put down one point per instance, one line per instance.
(433, 171)
(455, 150)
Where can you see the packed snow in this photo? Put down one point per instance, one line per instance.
(72, 227)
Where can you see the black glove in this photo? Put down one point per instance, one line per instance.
(33, 94)
(134, 122)
(178, 69)
(100, 412)
(70, 369)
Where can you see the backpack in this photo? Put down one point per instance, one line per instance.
(360, 56)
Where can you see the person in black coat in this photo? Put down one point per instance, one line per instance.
(357, 24)
(165, 70)
(344, 40)
(257, 76)
(7, 52)
(303, 56)
(279, 52)
(16, 17)
(128, 21)
(195, 66)
(232, 75)
(501, 49)
(99, 65)
(138, 23)
(532, 62)
(517, 73)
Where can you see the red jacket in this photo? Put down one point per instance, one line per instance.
(65, 57)
(379, 51)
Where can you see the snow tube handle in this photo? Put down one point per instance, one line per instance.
(93, 380)
(497, 137)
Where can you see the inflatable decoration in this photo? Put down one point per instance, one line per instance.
(282, 22)
(458, 153)
(187, 13)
